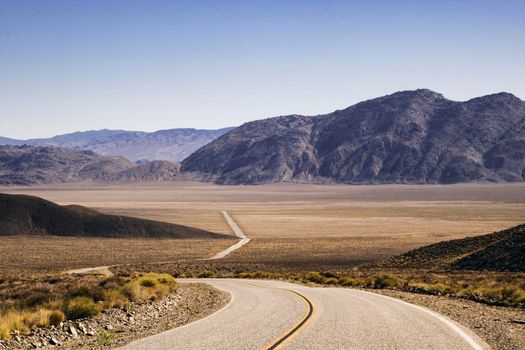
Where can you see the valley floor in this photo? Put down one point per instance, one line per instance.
(308, 226)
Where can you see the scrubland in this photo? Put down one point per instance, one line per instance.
(27, 303)
(308, 225)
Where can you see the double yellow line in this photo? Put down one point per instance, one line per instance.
(280, 341)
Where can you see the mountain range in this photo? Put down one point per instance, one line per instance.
(172, 145)
(408, 137)
(30, 165)
(414, 136)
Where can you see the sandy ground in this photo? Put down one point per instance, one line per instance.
(286, 222)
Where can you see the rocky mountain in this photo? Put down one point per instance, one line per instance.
(499, 251)
(28, 165)
(28, 215)
(407, 137)
(157, 170)
(172, 145)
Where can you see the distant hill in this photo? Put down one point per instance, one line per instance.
(157, 170)
(172, 145)
(29, 165)
(28, 215)
(407, 137)
(499, 251)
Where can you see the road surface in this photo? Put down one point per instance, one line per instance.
(238, 232)
(274, 315)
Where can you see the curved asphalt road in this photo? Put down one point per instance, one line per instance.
(263, 312)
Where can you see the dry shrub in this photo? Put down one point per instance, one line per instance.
(351, 282)
(81, 307)
(11, 321)
(115, 299)
(206, 274)
(150, 286)
(56, 317)
(387, 281)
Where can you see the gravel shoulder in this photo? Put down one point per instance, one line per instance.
(501, 327)
(117, 327)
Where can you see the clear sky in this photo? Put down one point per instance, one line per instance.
(148, 65)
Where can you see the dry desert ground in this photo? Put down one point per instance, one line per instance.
(303, 224)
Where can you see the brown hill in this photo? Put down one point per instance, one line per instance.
(28, 165)
(498, 251)
(157, 170)
(407, 137)
(28, 215)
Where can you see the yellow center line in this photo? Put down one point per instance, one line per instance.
(279, 342)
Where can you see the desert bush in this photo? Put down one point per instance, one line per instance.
(88, 290)
(330, 280)
(150, 286)
(508, 294)
(243, 275)
(56, 317)
(206, 274)
(148, 282)
(81, 307)
(328, 275)
(387, 281)
(315, 277)
(431, 288)
(11, 321)
(36, 297)
(36, 318)
(114, 298)
(350, 282)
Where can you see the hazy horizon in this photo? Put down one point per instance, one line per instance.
(175, 127)
(153, 65)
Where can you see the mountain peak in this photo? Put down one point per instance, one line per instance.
(425, 93)
(413, 136)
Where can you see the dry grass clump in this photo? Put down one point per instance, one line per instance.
(12, 321)
(24, 321)
(26, 304)
(81, 307)
(206, 274)
(150, 286)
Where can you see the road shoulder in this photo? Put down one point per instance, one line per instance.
(499, 327)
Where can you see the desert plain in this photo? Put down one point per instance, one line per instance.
(291, 226)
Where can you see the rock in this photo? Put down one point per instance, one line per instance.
(36, 344)
(18, 338)
(54, 341)
(82, 327)
(90, 333)
(109, 327)
(518, 321)
(73, 331)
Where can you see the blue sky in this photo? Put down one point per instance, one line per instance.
(148, 65)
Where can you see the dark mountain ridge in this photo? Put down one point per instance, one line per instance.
(28, 215)
(407, 137)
